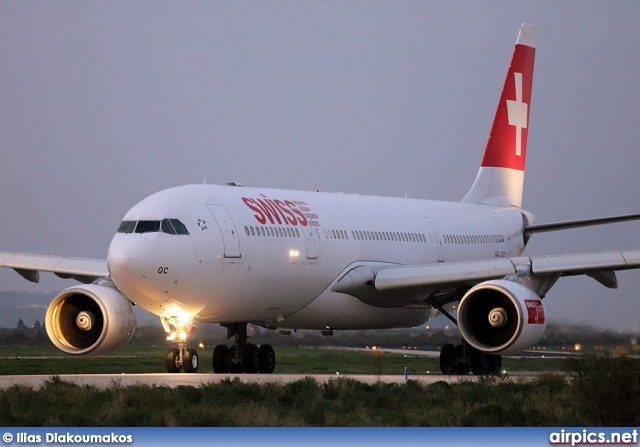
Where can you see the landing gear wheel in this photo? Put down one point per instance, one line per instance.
(190, 361)
(477, 363)
(461, 364)
(250, 359)
(482, 363)
(235, 359)
(173, 357)
(447, 354)
(267, 359)
(220, 361)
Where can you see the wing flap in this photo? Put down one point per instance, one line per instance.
(606, 260)
(632, 258)
(443, 273)
(459, 274)
(578, 262)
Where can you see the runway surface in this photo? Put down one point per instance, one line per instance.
(173, 380)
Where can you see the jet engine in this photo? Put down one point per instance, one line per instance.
(501, 317)
(90, 319)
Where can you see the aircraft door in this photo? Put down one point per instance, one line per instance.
(228, 230)
(310, 240)
(438, 241)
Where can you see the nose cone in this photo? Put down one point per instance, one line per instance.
(131, 261)
(149, 270)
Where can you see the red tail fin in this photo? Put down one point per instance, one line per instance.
(501, 174)
(507, 143)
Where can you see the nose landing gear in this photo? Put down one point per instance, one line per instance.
(178, 327)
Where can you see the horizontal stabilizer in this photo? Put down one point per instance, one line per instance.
(542, 228)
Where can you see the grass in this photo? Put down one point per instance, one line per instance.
(339, 402)
(130, 360)
(595, 391)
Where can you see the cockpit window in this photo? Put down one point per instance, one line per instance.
(127, 226)
(179, 226)
(148, 226)
(167, 227)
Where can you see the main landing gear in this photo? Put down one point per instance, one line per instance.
(242, 357)
(461, 359)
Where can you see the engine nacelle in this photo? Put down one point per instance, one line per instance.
(501, 317)
(89, 320)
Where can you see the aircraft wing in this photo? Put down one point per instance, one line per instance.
(29, 266)
(600, 266)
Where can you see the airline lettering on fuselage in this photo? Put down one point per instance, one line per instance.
(282, 212)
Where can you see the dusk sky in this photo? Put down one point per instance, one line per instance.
(104, 103)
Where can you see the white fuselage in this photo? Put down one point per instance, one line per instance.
(271, 256)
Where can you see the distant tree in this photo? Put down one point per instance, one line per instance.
(37, 326)
(18, 339)
(40, 339)
(21, 324)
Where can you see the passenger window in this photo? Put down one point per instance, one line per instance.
(148, 226)
(168, 228)
(127, 226)
(178, 226)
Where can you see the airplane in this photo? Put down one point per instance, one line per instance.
(292, 260)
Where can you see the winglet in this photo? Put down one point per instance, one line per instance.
(501, 176)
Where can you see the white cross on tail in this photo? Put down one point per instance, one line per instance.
(517, 112)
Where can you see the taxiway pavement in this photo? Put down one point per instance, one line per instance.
(173, 380)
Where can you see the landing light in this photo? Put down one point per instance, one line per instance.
(577, 346)
(294, 253)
